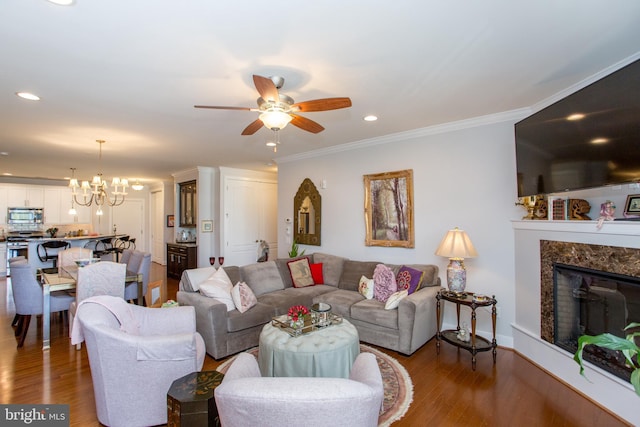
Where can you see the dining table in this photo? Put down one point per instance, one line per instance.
(63, 279)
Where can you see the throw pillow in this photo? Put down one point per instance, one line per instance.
(384, 283)
(300, 273)
(409, 278)
(366, 287)
(243, 297)
(394, 299)
(218, 286)
(316, 273)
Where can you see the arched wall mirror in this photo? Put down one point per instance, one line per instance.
(307, 214)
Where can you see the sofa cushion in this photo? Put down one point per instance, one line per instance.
(384, 283)
(409, 278)
(191, 279)
(257, 316)
(394, 300)
(262, 277)
(300, 273)
(340, 301)
(372, 311)
(353, 271)
(430, 276)
(283, 268)
(366, 287)
(332, 267)
(218, 287)
(243, 297)
(233, 271)
(316, 273)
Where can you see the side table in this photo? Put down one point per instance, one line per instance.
(190, 400)
(476, 343)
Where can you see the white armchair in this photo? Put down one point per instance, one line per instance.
(135, 354)
(245, 399)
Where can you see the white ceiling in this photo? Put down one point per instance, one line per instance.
(130, 71)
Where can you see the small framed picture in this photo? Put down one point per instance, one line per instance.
(171, 221)
(207, 226)
(632, 207)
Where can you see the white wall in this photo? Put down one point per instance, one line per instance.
(464, 175)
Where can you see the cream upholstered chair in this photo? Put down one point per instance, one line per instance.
(135, 354)
(246, 399)
(69, 256)
(101, 278)
(27, 296)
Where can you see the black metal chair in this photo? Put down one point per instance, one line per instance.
(122, 243)
(48, 251)
(101, 247)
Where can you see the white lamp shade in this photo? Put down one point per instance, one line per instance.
(456, 244)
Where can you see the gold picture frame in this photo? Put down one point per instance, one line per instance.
(388, 209)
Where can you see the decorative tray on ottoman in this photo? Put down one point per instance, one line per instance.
(283, 322)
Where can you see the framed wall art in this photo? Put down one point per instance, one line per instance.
(207, 226)
(388, 209)
(171, 221)
(632, 206)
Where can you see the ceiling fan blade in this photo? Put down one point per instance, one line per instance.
(214, 107)
(322, 104)
(253, 127)
(266, 88)
(306, 124)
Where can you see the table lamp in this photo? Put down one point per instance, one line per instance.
(456, 246)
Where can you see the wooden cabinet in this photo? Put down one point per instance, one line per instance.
(180, 258)
(188, 205)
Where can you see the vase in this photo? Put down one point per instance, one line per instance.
(297, 324)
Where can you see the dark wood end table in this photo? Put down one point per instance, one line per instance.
(190, 400)
(476, 342)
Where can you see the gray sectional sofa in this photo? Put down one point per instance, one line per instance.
(404, 329)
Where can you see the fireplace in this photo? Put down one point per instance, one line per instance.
(592, 302)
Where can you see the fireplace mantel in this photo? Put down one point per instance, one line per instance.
(603, 388)
(622, 228)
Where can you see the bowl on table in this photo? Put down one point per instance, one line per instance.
(86, 261)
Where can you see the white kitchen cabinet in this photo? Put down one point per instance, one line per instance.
(53, 205)
(83, 215)
(25, 196)
(3, 258)
(3, 204)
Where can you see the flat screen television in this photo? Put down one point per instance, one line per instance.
(589, 139)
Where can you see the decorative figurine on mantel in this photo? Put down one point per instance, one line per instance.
(578, 209)
(607, 210)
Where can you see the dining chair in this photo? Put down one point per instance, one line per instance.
(101, 278)
(139, 263)
(125, 256)
(48, 251)
(101, 247)
(69, 256)
(27, 297)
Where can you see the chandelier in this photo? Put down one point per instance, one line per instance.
(97, 192)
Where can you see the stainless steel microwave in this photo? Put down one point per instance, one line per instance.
(25, 215)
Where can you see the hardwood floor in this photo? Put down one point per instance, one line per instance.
(447, 392)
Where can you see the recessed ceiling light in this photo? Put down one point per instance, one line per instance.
(7, 174)
(370, 118)
(29, 96)
(599, 140)
(62, 2)
(574, 117)
(4, 153)
(271, 144)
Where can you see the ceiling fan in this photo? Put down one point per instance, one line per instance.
(277, 110)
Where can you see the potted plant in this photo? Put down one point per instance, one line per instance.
(626, 345)
(52, 231)
(294, 250)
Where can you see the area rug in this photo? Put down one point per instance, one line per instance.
(398, 388)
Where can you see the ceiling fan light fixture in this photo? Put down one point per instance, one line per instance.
(275, 120)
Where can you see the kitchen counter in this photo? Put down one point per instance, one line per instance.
(71, 239)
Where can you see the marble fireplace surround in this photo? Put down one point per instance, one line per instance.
(616, 243)
(610, 259)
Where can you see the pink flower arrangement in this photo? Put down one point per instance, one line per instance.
(297, 311)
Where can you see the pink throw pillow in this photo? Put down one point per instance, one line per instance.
(384, 283)
(243, 297)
